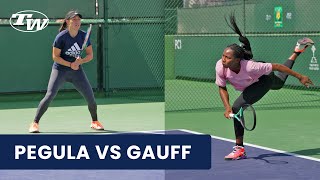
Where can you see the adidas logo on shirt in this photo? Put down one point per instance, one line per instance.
(74, 51)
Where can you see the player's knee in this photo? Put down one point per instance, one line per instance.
(50, 95)
(235, 108)
(277, 86)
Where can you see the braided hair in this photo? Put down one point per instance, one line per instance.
(238, 51)
(242, 51)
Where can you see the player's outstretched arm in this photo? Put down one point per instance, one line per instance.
(305, 80)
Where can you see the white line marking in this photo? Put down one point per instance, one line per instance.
(256, 146)
(220, 138)
(131, 132)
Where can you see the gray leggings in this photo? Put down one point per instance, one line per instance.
(57, 79)
(256, 91)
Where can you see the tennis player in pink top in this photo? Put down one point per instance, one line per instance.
(253, 79)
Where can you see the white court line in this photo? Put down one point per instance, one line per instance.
(256, 146)
(131, 132)
(220, 138)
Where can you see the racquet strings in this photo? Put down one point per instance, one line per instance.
(248, 118)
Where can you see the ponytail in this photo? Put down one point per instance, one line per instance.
(245, 44)
(63, 26)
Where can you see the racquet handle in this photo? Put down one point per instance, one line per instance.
(231, 115)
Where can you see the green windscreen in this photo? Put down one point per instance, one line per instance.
(273, 28)
(135, 49)
(53, 9)
(27, 61)
(127, 39)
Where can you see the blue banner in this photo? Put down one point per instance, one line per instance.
(122, 151)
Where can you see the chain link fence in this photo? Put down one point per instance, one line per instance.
(197, 34)
(135, 49)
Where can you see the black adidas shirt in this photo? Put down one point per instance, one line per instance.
(70, 47)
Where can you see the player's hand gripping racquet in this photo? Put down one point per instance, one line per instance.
(246, 116)
(85, 43)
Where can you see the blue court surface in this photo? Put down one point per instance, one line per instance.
(262, 163)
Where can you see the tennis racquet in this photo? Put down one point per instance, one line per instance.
(85, 43)
(246, 116)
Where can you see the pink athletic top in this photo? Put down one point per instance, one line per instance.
(249, 73)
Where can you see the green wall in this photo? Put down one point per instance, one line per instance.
(298, 16)
(135, 55)
(126, 55)
(169, 57)
(27, 59)
(135, 8)
(51, 8)
(255, 16)
(135, 44)
(199, 54)
(208, 20)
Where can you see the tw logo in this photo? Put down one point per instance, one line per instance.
(29, 21)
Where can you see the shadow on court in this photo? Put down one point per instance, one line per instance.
(271, 158)
(308, 152)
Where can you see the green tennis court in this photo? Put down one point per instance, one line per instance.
(69, 114)
(286, 119)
